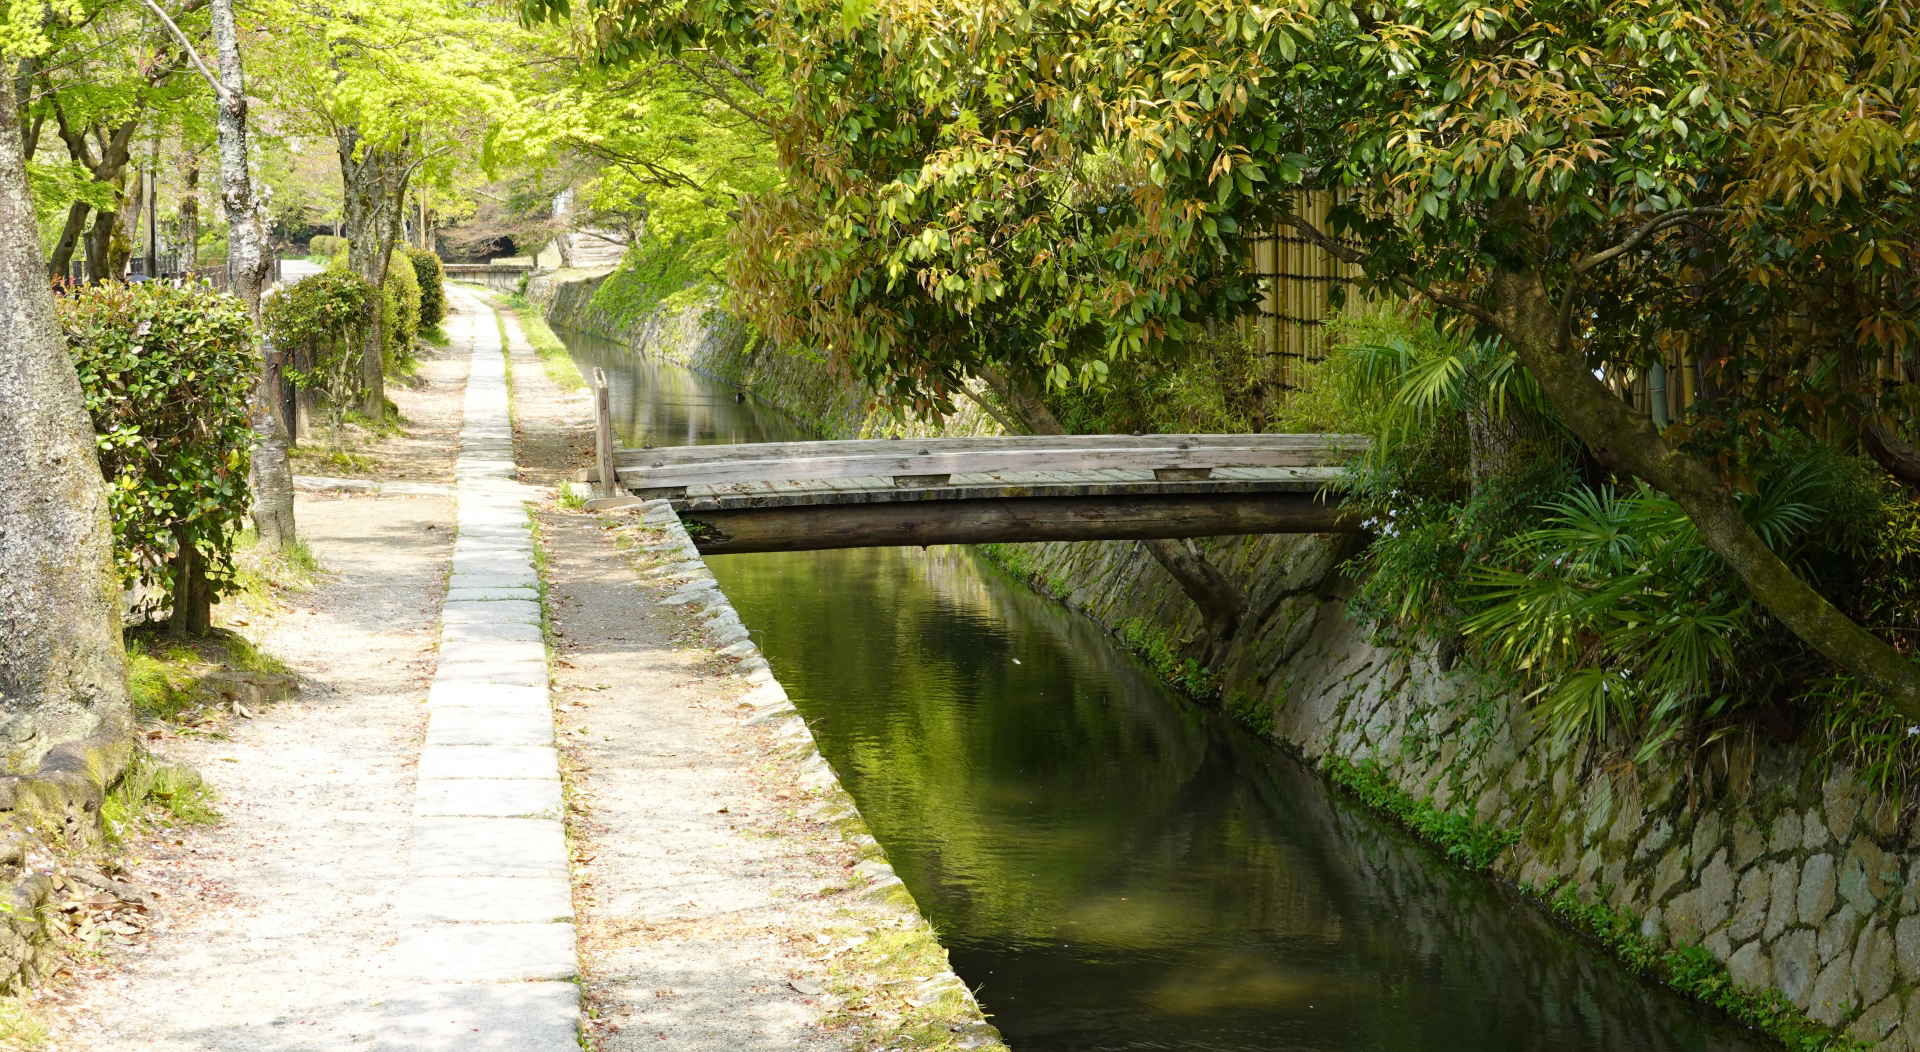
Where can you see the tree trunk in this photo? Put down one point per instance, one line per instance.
(1900, 460)
(1217, 598)
(374, 181)
(99, 245)
(63, 674)
(250, 264)
(62, 260)
(1628, 441)
(126, 230)
(189, 231)
(192, 616)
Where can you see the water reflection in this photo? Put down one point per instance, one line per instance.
(658, 402)
(1113, 868)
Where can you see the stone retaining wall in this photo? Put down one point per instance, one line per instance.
(1800, 880)
(709, 340)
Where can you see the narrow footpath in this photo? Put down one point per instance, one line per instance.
(486, 913)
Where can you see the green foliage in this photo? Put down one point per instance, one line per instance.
(657, 274)
(1181, 673)
(167, 371)
(1633, 628)
(318, 321)
(326, 245)
(1464, 451)
(1465, 842)
(431, 278)
(1213, 382)
(555, 359)
(1694, 971)
(149, 790)
(400, 298)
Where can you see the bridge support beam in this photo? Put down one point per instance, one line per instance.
(979, 521)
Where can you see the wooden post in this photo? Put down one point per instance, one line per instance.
(603, 436)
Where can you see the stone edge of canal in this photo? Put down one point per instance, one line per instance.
(876, 882)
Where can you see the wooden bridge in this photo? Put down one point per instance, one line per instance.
(800, 496)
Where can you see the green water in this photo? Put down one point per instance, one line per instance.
(1110, 866)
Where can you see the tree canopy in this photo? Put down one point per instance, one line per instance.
(1028, 192)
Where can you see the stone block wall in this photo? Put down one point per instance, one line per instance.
(709, 340)
(1799, 878)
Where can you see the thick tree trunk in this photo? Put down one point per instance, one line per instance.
(1216, 597)
(1628, 441)
(99, 245)
(1900, 460)
(63, 671)
(374, 181)
(250, 263)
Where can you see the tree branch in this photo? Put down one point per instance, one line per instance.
(1001, 418)
(1639, 237)
(219, 90)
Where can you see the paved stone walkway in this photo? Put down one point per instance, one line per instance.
(486, 916)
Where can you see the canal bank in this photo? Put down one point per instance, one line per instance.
(1108, 865)
(1798, 883)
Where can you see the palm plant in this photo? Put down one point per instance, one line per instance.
(1630, 627)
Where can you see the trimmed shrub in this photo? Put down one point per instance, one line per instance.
(402, 320)
(401, 305)
(433, 292)
(167, 371)
(325, 245)
(317, 322)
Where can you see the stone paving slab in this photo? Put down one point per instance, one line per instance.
(508, 1017)
(489, 727)
(489, 847)
(493, 652)
(489, 761)
(522, 673)
(485, 696)
(488, 595)
(505, 631)
(481, 953)
(511, 609)
(485, 900)
(493, 580)
(489, 901)
(506, 798)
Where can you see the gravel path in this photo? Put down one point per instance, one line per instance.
(725, 894)
(276, 929)
(277, 924)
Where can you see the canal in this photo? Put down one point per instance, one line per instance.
(1110, 866)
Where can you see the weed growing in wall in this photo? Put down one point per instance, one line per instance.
(1464, 841)
(1693, 971)
(1182, 673)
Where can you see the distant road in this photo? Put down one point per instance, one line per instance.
(292, 270)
